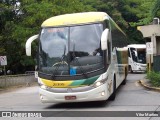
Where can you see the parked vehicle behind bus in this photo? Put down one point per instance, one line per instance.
(137, 57)
(78, 58)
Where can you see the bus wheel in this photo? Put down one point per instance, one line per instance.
(112, 97)
(130, 69)
(124, 81)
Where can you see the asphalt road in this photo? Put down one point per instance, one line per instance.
(129, 97)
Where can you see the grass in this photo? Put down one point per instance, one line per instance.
(154, 78)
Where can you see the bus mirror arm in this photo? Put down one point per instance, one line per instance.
(104, 39)
(28, 44)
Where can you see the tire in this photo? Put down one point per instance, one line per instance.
(113, 96)
(130, 69)
(124, 81)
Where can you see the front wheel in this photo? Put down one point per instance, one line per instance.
(113, 96)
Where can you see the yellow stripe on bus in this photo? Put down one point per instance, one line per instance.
(56, 84)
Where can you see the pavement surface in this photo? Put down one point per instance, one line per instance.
(129, 98)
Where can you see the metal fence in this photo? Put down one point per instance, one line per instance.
(13, 80)
(156, 63)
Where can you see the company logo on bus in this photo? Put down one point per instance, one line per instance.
(69, 90)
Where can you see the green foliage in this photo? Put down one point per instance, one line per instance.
(137, 12)
(123, 13)
(155, 11)
(111, 7)
(16, 29)
(154, 78)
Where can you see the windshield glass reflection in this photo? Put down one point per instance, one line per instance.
(62, 49)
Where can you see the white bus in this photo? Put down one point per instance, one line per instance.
(137, 58)
(78, 58)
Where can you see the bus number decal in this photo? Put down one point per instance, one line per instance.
(58, 84)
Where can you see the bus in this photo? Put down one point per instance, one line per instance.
(123, 52)
(78, 59)
(137, 58)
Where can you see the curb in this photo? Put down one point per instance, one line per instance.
(143, 83)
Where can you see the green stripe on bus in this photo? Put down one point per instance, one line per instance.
(88, 81)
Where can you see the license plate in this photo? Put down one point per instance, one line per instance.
(70, 97)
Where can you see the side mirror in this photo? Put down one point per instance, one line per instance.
(28, 44)
(104, 39)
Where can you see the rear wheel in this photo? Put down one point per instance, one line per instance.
(124, 81)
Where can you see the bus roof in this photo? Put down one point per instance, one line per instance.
(137, 45)
(75, 18)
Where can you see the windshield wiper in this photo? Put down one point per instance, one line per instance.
(60, 61)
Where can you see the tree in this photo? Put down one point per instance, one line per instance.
(155, 11)
(19, 23)
(111, 7)
(137, 12)
(17, 28)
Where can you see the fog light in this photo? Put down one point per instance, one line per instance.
(103, 93)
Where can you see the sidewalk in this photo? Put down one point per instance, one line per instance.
(145, 83)
(13, 88)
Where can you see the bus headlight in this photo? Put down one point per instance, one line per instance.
(99, 83)
(44, 87)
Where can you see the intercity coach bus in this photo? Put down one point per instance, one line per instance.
(78, 58)
(137, 58)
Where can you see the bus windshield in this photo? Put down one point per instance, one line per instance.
(138, 55)
(71, 50)
(141, 56)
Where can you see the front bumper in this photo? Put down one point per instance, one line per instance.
(96, 94)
